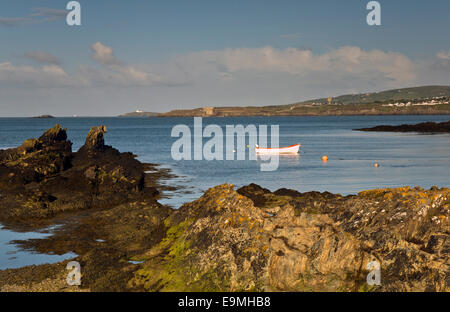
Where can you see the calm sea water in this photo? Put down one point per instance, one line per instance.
(405, 158)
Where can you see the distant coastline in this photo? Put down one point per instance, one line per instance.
(324, 110)
(139, 114)
(43, 116)
(426, 100)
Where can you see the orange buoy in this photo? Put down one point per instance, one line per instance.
(324, 158)
(376, 165)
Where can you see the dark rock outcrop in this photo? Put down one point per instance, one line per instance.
(43, 177)
(95, 140)
(55, 134)
(35, 160)
(425, 127)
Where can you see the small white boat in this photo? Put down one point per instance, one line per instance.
(293, 149)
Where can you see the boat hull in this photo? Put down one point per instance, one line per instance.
(293, 149)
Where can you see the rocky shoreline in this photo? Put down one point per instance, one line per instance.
(105, 204)
(424, 127)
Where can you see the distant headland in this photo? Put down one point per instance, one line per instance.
(426, 100)
(139, 113)
(44, 116)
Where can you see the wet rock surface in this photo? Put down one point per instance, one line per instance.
(250, 239)
(43, 177)
(425, 127)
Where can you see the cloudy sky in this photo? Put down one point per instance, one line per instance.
(163, 55)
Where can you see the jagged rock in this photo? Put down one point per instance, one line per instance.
(54, 134)
(95, 141)
(97, 176)
(33, 145)
(35, 159)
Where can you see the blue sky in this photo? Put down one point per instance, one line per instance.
(158, 55)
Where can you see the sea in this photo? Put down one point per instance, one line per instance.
(405, 159)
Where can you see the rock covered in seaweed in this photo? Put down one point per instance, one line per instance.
(43, 177)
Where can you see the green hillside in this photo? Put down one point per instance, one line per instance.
(406, 94)
(427, 100)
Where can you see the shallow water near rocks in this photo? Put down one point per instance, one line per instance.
(404, 158)
(12, 257)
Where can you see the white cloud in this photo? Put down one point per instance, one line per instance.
(111, 72)
(443, 55)
(104, 54)
(43, 57)
(350, 60)
(117, 72)
(39, 15)
(14, 21)
(345, 64)
(122, 76)
(54, 70)
(46, 76)
(49, 14)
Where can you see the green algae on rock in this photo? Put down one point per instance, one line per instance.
(212, 244)
(295, 241)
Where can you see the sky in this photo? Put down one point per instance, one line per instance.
(164, 55)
